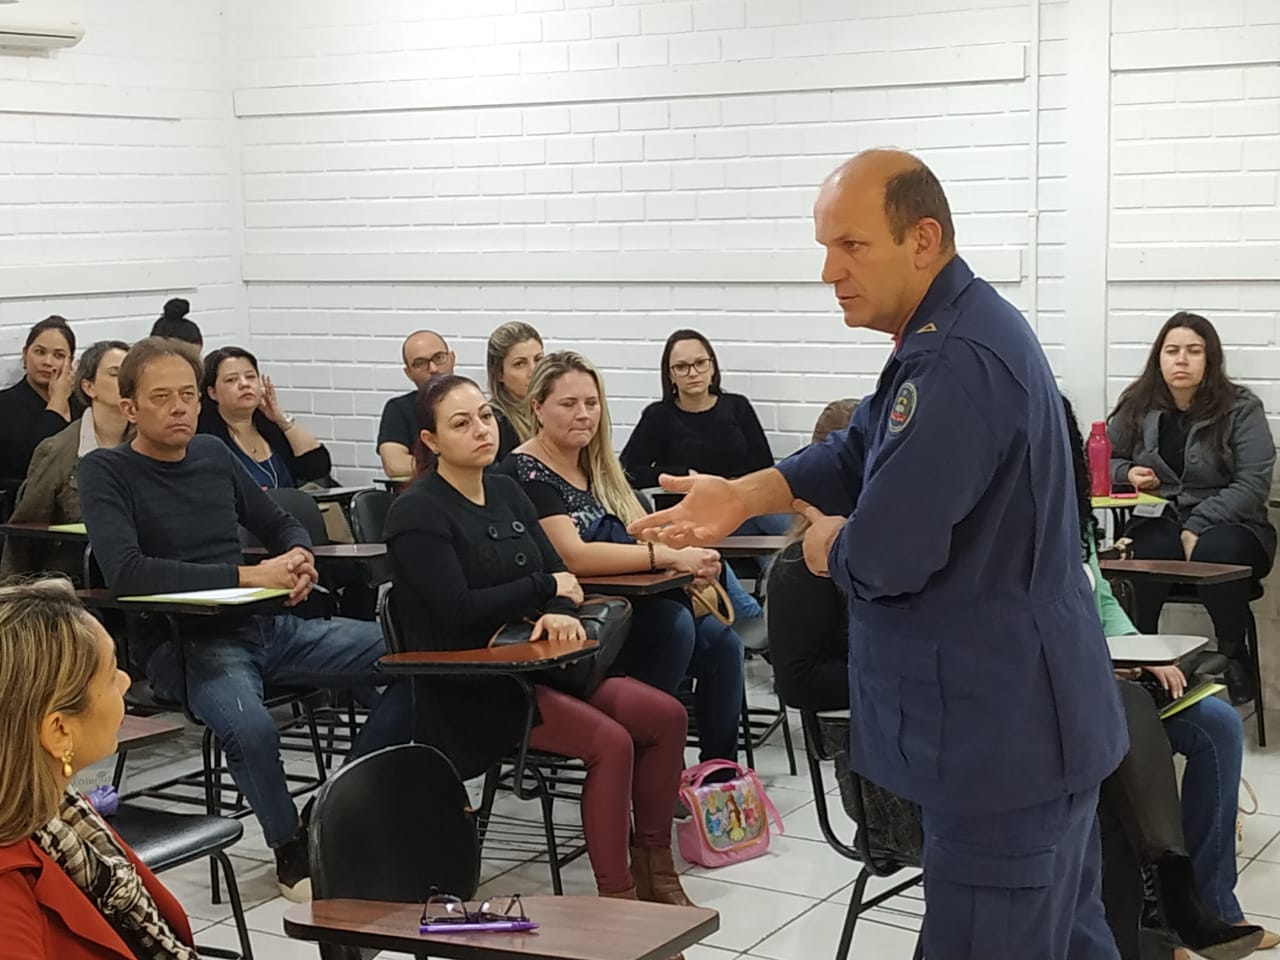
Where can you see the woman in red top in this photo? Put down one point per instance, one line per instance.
(69, 888)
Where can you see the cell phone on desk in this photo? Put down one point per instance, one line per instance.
(1124, 491)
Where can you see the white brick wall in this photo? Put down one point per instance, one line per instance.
(118, 181)
(651, 165)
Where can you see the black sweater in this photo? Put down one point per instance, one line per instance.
(312, 465)
(726, 440)
(161, 527)
(808, 635)
(461, 571)
(25, 420)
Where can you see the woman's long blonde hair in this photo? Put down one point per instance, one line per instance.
(516, 410)
(48, 659)
(606, 479)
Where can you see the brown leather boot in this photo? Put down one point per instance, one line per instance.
(627, 894)
(654, 872)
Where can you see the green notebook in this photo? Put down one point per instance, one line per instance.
(1190, 698)
(68, 528)
(231, 597)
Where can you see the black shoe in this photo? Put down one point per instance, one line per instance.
(1240, 686)
(1196, 927)
(293, 869)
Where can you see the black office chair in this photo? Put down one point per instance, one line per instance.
(390, 826)
(164, 840)
(369, 514)
(303, 508)
(885, 841)
(527, 773)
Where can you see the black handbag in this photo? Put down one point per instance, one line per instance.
(606, 620)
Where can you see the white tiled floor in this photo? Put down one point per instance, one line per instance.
(788, 905)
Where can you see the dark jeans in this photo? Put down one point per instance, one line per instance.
(224, 685)
(718, 671)
(660, 644)
(1159, 538)
(1211, 737)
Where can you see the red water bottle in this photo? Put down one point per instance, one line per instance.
(1099, 452)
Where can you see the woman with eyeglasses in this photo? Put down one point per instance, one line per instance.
(698, 427)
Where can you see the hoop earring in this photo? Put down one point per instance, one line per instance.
(66, 764)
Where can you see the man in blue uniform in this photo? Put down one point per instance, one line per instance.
(980, 684)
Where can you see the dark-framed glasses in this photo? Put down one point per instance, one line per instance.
(445, 909)
(682, 369)
(436, 360)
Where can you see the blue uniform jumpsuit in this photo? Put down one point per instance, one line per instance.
(980, 683)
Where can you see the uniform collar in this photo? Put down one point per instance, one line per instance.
(951, 281)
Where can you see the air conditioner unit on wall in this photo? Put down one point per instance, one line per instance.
(39, 25)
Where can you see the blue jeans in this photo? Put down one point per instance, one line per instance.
(1211, 737)
(745, 606)
(660, 644)
(224, 690)
(717, 669)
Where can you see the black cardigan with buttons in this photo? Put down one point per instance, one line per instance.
(461, 571)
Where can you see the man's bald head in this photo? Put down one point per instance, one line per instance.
(426, 355)
(886, 226)
(910, 190)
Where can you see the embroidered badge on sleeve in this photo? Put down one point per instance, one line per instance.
(904, 407)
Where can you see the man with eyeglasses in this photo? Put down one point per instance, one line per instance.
(426, 356)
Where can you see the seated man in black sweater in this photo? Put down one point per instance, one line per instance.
(162, 513)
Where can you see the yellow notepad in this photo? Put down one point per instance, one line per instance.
(1120, 503)
(231, 597)
(68, 528)
(1190, 699)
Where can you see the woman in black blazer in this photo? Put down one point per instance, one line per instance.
(468, 556)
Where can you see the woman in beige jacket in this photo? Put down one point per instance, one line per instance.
(51, 493)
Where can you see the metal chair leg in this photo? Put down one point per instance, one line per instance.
(851, 915)
(237, 908)
(786, 737)
(747, 746)
(1255, 665)
(549, 828)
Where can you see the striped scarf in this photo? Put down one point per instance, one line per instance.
(85, 848)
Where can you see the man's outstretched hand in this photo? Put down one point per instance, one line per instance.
(711, 510)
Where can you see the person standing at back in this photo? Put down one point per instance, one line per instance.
(426, 356)
(979, 679)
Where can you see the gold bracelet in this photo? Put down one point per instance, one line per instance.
(653, 563)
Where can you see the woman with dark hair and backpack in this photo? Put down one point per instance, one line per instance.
(1184, 431)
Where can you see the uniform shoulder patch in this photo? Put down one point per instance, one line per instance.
(904, 407)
